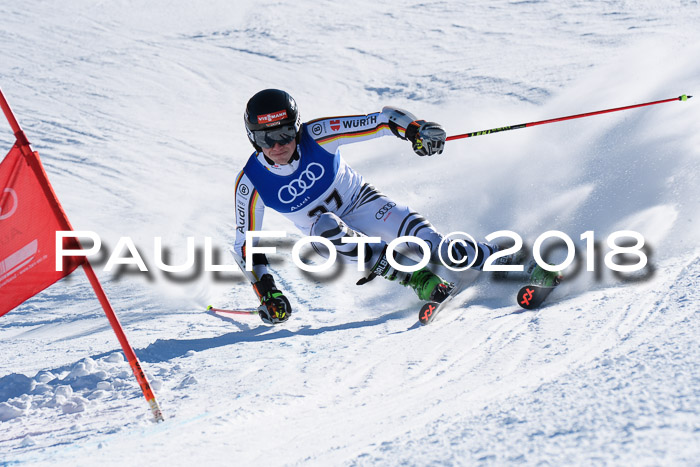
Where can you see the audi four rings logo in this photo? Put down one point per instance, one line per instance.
(386, 208)
(306, 180)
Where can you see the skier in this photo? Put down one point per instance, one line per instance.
(297, 170)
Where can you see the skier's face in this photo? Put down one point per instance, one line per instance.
(280, 153)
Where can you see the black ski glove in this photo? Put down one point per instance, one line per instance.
(428, 138)
(274, 306)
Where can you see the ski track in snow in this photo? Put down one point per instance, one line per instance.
(136, 111)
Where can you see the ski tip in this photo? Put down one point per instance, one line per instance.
(209, 307)
(684, 97)
(427, 312)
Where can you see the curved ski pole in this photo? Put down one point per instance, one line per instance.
(561, 119)
(232, 312)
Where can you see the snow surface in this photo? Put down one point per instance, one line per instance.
(136, 111)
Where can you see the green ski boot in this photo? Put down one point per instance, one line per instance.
(427, 285)
(545, 278)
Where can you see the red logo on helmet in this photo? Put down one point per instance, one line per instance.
(272, 117)
(335, 125)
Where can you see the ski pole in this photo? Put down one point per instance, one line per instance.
(561, 119)
(233, 312)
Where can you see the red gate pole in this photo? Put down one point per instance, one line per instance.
(34, 162)
(126, 347)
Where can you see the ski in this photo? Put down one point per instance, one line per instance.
(429, 310)
(531, 297)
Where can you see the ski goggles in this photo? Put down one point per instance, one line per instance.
(268, 138)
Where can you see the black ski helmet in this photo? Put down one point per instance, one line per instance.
(270, 109)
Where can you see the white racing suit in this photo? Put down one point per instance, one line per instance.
(324, 196)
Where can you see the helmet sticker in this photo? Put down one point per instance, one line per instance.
(272, 117)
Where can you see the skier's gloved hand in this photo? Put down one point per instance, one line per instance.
(428, 138)
(274, 306)
(275, 309)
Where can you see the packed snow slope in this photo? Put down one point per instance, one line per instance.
(137, 113)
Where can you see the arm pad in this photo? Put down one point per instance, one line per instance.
(398, 118)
